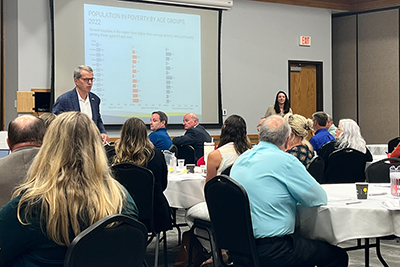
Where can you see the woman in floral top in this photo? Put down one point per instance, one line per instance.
(298, 144)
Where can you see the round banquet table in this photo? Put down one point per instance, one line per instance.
(345, 217)
(185, 190)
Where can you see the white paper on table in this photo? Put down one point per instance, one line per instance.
(337, 199)
(391, 204)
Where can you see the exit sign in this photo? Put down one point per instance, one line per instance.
(305, 40)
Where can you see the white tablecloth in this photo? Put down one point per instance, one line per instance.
(185, 190)
(338, 221)
(378, 149)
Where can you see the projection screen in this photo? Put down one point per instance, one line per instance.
(145, 57)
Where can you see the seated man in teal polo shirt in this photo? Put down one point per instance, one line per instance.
(276, 182)
(159, 137)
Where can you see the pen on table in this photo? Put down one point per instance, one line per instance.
(378, 194)
(354, 202)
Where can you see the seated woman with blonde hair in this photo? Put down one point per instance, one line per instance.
(135, 147)
(68, 188)
(298, 143)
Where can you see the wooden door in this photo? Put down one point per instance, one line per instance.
(303, 89)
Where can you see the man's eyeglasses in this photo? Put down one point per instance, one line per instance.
(88, 79)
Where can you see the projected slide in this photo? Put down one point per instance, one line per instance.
(143, 61)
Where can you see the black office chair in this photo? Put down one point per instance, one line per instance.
(173, 149)
(229, 210)
(139, 182)
(206, 226)
(116, 240)
(378, 172)
(316, 168)
(227, 171)
(345, 166)
(326, 150)
(188, 153)
(393, 143)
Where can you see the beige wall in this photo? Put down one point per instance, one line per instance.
(365, 72)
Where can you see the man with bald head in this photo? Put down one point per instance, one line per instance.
(276, 182)
(25, 136)
(195, 135)
(262, 119)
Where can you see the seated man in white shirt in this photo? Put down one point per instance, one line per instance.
(276, 182)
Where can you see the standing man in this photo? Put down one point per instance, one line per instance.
(25, 136)
(159, 137)
(195, 135)
(81, 99)
(321, 135)
(276, 182)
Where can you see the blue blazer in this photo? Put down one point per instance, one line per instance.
(69, 102)
(195, 137)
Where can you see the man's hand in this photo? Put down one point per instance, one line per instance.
(105, 138)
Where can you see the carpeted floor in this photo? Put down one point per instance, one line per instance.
(390, 250)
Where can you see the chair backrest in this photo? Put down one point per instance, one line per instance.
(139, 182)
(188, 153)
(316, 168)
(227, 171)
(119, 245)
(229, 209)
(326, 150)
(345, 166)
(173, 149)
(378, 172)
(393, 143)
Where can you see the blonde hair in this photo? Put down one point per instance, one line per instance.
(48, 118)
(300, 127)
(134, 145)
(69, 181)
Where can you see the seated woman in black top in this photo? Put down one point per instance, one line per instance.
(348, 135)
(135, 147)
(68, 188)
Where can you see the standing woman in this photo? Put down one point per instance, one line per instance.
(298, 143)
(281, 107)
(135, 147)
(68, 188)
(233, 142)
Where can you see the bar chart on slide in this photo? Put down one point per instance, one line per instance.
(142, 65)
(135, 88)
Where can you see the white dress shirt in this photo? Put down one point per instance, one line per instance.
(84, 105)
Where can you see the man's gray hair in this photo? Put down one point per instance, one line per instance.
(194, 117)
(275, 130)
(78, 71)
(329, 117)
(321, 118)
